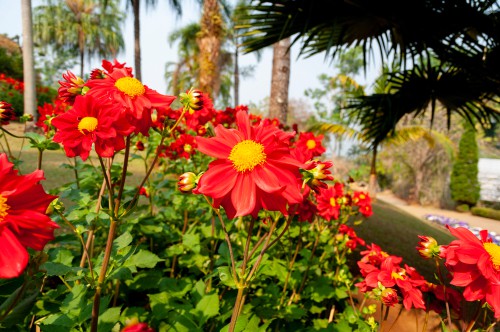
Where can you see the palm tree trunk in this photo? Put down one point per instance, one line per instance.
(372, 183)
(137, 39)
(280, 81)
(209, 43)
(28, 62)
(236, 78)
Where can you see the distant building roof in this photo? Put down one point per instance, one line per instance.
(10, 45)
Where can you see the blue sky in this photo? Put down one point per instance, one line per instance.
(156, 52)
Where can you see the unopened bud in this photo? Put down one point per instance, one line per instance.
(187, 182)
(428, 247)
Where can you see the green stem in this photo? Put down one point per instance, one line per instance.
(84, 245)
(102, 275)
(441, 279)
(107, 177)
(473, 321)
(228, 240)
(40, 156)
(238, 304)
(75, 170)
(124, 175)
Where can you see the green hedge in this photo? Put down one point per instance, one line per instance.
(486, 212)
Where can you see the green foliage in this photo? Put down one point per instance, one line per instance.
(11, 64)
(464, 184)
(486, 212)
(463, 208)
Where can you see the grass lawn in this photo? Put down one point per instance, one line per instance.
(396, 232)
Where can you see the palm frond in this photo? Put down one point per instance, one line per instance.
(336, 129)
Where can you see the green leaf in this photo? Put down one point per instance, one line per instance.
(208, 307)
(20, 311)
(108, 319)
(55, 269)
(75, 301)
(122, 241)
(226, 277)
(192, 242)
(142, 259)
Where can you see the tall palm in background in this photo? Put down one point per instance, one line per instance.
(28, 61)
(462, 35)
(136, 10)
(209, 41)
(280, 80)
(90, 27)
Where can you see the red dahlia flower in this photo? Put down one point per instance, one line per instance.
(328, 201)
(23, 222)
(120, 87)
(71, 87)
(311, 144)
(91, 122)
(475, 265)
(48, 111)
(254, 169)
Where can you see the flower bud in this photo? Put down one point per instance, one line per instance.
(193, 100)
(389, 297)
(187, 182)
(316, 173)
(6, 113)
(428, 247)
(139, 146)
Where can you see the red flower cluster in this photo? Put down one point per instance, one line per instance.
(352, 238)
(254, 169)
(330, 201)
(110, 106)
(183, 147)
(23, 219)
(136, 100)
(15, 84)
(381, 271)
(49, 111)
(364, 202)
(91, 122)
(475, 265)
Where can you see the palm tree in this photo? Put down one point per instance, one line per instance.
(185, 73)
(209, 41)
(462, 35)
(28, 61)
(136, 5)
(91, 27)
(280, 80)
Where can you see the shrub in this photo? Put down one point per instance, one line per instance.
(462, 208)
(486, 212)
(464, 184)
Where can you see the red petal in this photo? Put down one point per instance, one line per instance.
(214, 147)
(243, 195)
(244, 124)
(13, 256)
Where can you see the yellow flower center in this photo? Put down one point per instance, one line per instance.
(3, 207)
(311, 144)
(130, 86)
(362, 196)
(494, 252)
(188, 148)
(333, 201)
(246, 155)
(88, 123)
(396, 275)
